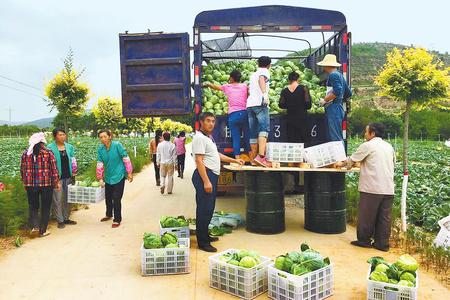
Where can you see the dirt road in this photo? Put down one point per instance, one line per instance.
(93, 261)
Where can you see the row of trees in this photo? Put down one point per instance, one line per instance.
(69, 96)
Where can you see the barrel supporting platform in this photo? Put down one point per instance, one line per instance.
(264, 192)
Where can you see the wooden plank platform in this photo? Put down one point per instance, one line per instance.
(236, 167)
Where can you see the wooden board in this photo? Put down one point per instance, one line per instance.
(236, 167)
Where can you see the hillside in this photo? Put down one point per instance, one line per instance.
(41, 123)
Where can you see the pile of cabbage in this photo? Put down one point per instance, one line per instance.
(155, 241)
(301, 262)
(402, 272)
(218, 74)
(243, 258)
(87, 183)
(171, 222)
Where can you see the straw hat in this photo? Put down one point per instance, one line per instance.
(329, 61)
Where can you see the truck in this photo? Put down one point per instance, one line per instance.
(156, 68)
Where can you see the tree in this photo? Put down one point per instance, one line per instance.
(418, 80)
(66, 93)
(108, 113)
(137, 125)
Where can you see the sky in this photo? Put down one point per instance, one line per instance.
(35, 37)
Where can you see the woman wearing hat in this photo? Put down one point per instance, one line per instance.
(337, 87)
(40, 176)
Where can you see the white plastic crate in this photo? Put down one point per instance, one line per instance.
(242, 282)
(85, 195)
(181, 232)
(285, 152)
(166, 261)
(387, 291)
(325, 154)
(311, 286)
(443, 238)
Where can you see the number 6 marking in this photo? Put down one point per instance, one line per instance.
(277, 131)
(313, 131)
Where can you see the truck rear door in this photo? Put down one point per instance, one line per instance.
(155, 74)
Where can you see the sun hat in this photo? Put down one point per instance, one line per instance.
(329, 61)
(36, 139)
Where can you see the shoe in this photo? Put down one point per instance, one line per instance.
(158, 184)
(70, 222)
(162, 190)
(181, 176)
(115, 225)
(104, 219)
(361, 244)
(213, 239)
(384, 249)
(61, 225)
(208, 248)
(44, 234)
(262, 161)
(170, 193)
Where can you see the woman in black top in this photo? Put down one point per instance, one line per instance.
(295, 98)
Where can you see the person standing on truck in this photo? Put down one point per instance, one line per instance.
(166, 159)
(205, 178)
(376, 188)
(180, 145)
(153, 146)
(40, 177)
(67, 168)
(295, 98)
(258, 111)
(337, 91)
(237, 94)
(113, 166)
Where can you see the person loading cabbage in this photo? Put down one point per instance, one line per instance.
(337, 90)
(236, 93)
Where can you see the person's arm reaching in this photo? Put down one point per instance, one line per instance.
(228, 159)
(202, 171)
(213, 86)
(360, 154)
(262, 85)
(282, 102)
(308, 102)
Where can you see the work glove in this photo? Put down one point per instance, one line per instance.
(265, 99)
(322, 102)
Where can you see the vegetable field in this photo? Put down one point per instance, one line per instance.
(429, 182)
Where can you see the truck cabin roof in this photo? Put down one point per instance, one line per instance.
(268, 18)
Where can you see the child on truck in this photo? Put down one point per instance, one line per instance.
(258, 111)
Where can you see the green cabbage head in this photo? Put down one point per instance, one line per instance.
(407, 263)
(379, 276)
(169, 238)
(247, 262)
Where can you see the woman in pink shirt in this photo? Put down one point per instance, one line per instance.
(237, 111)
(180, 142)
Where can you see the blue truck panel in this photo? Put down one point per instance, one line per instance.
(155, 74)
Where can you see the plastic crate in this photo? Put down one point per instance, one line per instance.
(387, 291)
(181, 232)
(312, 286)
(443, 238)
(325, 154)
(242, 282)
(166, 261)
(85, 195)
(285, 152)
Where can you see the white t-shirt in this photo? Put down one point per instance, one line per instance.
(166, 153)
(377, 159)
(255, 97)
(201, 144)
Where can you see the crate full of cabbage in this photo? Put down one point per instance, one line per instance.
(299, 275)
(177, 225)
(85, 192)
(163, 255)
(399, 280)
(241, 273)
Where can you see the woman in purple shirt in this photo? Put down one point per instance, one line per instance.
(180, 142)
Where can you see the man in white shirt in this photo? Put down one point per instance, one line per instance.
(258, 111)
(166, 159)
(376, 188)
(205, 178)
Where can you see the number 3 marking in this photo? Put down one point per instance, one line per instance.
(277, 131)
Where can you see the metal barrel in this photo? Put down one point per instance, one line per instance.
(325, 209)
(265, 202)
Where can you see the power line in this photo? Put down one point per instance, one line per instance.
(20, 82)
(19, 90)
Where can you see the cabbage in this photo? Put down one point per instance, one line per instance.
(382, 268)
(95, 184)
(233, 262)
(299, 269)
(393, 281)
(247, 262)
(152, 241)
(378, 276)
(171, 246)
(406, 283)
(311, 260)
(295, 256)
(243, 253)
(408, 276)
(169, 238)
(407, 263)
(279, 262)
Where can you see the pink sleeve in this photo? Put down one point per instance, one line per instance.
(225, 88)
(128, 166)
(74, 165)
(99, 170)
